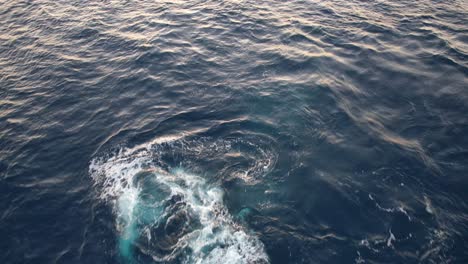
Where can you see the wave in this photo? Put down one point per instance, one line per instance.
(168, 214)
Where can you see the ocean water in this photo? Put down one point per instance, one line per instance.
(234, 131)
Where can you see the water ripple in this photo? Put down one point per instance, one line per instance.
(330, 131)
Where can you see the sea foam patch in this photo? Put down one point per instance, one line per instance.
(170, 215)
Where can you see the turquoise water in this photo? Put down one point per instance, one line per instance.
(233, 131)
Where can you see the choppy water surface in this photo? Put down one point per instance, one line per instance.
(234, 131)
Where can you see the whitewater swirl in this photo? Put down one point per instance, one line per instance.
(169, 214)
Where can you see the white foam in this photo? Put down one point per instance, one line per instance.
(219, 239)
(428, 204)
(390, 210)
(390, 238)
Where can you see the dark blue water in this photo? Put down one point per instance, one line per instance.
(234, 131)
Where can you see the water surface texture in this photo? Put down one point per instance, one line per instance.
(234, 131)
